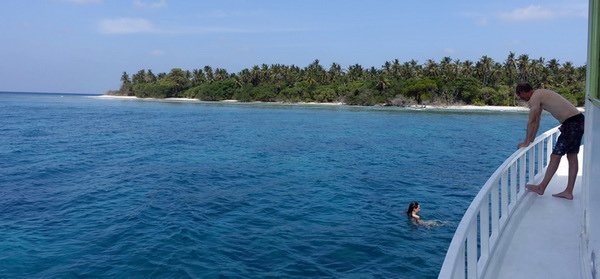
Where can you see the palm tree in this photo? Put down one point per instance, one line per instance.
(382, 83)
(537, 72)
(568, 71)
(447, 70)
(125, 85)
(335, 73)
(554, 76)
(410, 69)
(278, 74)
(139, 77)
(510, 70)
(523, 67)
(125, 79)
(396, 69)
(387, 68)
(150, 77)
(484, 70)
(198, 77)
(180, 78)
(355, 72)
(255, 75)
(265, 73)
(315, 72)
(208, 72)
(221, 74)
(430, 69)
(467, 68)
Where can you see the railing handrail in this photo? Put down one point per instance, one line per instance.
(470, 217)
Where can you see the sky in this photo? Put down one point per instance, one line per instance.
(83, 46)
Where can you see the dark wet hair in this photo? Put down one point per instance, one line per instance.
(523, 87)
(411, 207)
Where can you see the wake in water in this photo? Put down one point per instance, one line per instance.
(432, 223)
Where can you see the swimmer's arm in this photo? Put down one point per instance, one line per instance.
(533, 124)
(416, 219)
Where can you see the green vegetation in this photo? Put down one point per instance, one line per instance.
(446, 82)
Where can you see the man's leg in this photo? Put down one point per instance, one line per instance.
(550, 171)
(573, 168)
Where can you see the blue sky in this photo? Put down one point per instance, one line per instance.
(83, 46)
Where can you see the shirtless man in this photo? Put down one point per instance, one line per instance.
(569, 140)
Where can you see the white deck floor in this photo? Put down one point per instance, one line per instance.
(545, 243)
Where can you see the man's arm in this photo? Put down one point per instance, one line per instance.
(533, 124)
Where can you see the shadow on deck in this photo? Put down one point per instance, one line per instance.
(544, 241)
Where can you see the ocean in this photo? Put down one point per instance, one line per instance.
(95, 187)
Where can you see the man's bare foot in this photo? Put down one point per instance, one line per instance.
(564, 195)
(535, 188)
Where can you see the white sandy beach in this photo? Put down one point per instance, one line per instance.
(143, 99)
(423, 107)
(472, 108)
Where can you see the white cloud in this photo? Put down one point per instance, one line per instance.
(150, 5)
(156, 52)
(223, 30)
(84, 1)
(211, 30)
(516, 43)
(140, 25)
(531, 12)
(126, 26)
(449, 51)
(229, 13)
(576, 11)
(537, 12)
(482, 21)
(478, 18)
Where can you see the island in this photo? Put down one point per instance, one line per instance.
(407, 84)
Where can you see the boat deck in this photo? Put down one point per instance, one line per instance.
(545, 241)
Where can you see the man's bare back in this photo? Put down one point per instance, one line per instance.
(553, 103)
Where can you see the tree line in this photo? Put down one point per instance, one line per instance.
(395, 83)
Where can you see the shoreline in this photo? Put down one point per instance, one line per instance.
(412, 107)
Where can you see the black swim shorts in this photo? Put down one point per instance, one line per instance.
(571, 132)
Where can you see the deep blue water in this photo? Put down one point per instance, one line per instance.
(127, 188)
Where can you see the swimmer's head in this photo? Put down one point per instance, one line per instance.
(411, 207)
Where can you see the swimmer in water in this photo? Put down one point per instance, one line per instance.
(413, 213)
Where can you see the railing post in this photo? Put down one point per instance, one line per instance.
(548, 150)
(522, 173)
(459, 271)
(472, 251)
(513, 185)
(531, 169)
(540, 157)
(504, 198)
(484, 228)
(495, 210)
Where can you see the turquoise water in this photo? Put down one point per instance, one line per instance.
(129, 188)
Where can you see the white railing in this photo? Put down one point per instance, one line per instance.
(484, 222)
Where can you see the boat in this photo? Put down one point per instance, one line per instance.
(508, 232)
